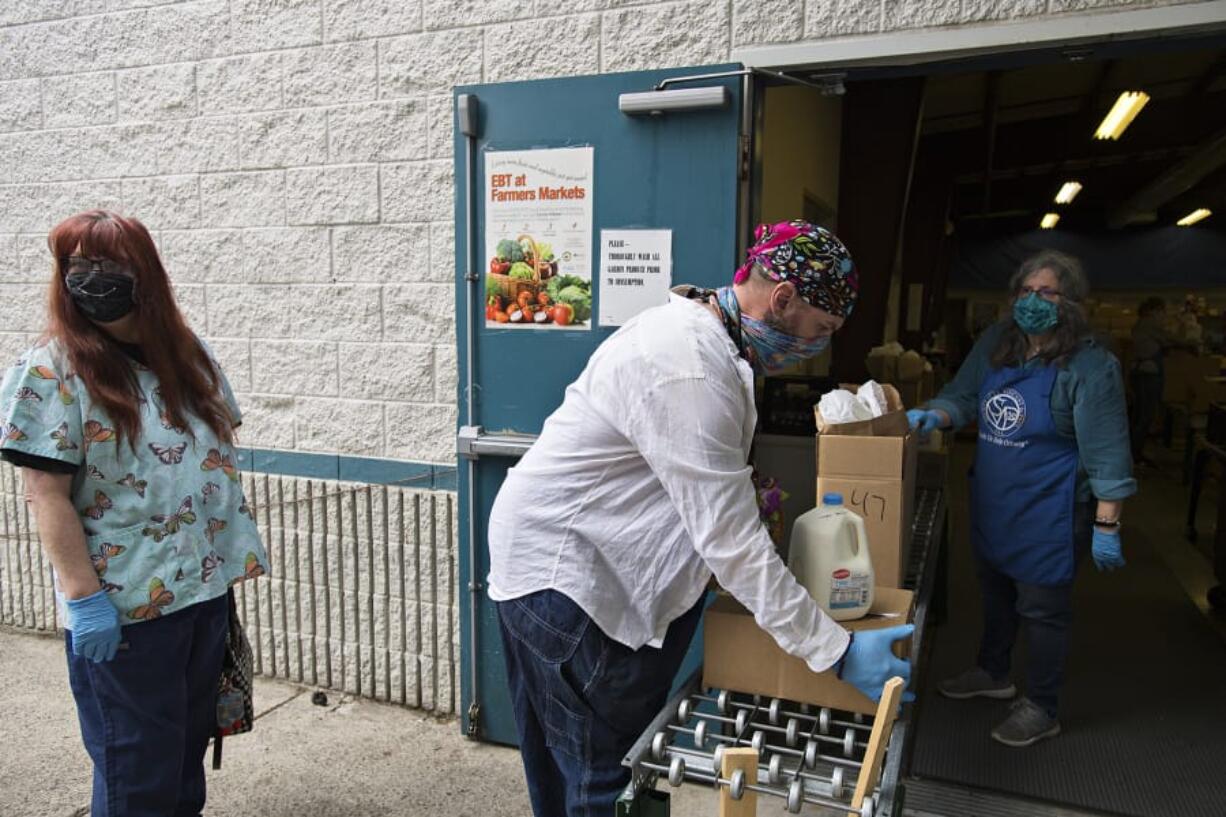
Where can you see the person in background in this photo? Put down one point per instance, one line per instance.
(123, 427)
(1150, 342)
(604, 536)
(1051, 471)
(1188, 321)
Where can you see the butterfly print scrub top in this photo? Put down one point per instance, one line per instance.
(165, 520)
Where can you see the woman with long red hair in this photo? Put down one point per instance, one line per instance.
(123, 425)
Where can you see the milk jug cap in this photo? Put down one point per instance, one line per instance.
(832, 499)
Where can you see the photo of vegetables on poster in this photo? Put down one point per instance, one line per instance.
(538, 239)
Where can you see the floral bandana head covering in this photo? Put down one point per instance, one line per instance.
(810, 257)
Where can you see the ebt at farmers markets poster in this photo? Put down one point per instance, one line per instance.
(538, 239)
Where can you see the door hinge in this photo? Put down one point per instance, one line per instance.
(474, 716)
(743, 166)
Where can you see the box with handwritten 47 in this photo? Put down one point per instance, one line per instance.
(876, 476)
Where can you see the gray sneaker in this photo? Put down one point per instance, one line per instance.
(976, 683)
(1027, 723)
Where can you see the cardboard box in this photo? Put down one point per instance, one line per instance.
(876, 477)
(872, 463)
(740, 656)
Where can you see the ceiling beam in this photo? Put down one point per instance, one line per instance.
(1211, 75)
(1081, 163)
(1180, 178)
(1209, 192)
(1006, 114)
(1056, 107)
(1166, 124)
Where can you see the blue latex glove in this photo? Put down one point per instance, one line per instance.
(924, 421)
(870, 662)
(1106, 549)
(95, 627)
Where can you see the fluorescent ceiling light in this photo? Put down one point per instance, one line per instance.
(1121, 114)
(1068, 192)
(1200, 214)
(1050, 220)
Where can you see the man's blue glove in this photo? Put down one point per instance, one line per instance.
(1106, 549)
(869, 661)
(94, 622)
(924, 421)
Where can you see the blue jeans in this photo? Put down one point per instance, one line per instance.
(147, 715)
(581, 699)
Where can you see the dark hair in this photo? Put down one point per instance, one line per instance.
(1073, 330)
(1151, 305)
(187, 377)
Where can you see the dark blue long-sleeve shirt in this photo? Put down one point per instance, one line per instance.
(1087, 405)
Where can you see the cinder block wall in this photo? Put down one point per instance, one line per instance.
(293, 158)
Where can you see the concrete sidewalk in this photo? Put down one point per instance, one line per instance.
(352, 757)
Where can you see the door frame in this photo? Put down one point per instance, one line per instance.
(920, 46)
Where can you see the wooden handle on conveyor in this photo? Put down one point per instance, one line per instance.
(746, 760)
(883, 727)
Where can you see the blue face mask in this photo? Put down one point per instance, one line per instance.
(1035, 315)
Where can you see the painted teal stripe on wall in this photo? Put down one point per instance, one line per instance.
(349, 469)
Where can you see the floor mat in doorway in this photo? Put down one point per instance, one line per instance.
(1144, 708)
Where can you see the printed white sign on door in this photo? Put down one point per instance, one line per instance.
(636, 272)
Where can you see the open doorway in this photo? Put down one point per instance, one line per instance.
(939, 179)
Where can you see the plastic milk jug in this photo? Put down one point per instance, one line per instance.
(829, 556)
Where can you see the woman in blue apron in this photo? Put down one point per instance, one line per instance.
(1052, 467)
(123, 426)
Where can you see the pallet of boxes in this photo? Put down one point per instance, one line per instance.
(905, 369)
(871, 462)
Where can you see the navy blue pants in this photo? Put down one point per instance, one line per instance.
(147, 715)
(581, 699)
(1047, 612)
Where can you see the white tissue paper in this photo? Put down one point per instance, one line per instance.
(872, 396)
(841, 406)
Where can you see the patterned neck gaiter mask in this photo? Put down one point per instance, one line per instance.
(767, 349)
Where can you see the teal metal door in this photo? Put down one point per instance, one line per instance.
(678, 170)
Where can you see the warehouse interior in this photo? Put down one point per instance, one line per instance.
(957, 167)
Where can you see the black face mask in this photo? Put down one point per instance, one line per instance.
(101, 296)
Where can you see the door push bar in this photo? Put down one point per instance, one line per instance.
(473, 442)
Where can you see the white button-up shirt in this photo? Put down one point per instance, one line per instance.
(638, 489)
